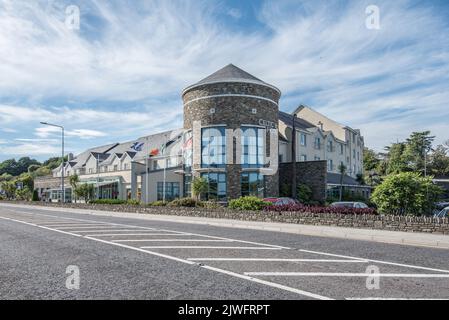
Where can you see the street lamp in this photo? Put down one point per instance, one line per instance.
(62, 158)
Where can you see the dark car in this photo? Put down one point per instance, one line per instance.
(281, 201)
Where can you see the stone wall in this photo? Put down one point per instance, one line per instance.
(392, 223)
(310, 173)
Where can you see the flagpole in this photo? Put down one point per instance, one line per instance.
(147, 155)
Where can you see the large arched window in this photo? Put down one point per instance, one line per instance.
(253, 147)
(213, 147)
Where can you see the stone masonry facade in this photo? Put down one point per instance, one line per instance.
(311, 173)
(249, 104)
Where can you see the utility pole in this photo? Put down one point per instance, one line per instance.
(294, 157)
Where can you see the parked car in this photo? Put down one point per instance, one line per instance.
(281, 201)
(443, 213)
(358, 205)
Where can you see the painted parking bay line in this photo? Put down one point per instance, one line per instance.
(335, 274)
(209, 247)
(132, 234)
(171, 240)
(218, 270)
(278, 260)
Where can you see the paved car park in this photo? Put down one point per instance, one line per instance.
(298, 271)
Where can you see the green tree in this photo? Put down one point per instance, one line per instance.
(417, 146)
(439, 161)
(370, 160)
(395, 158)
(74, 180)
(199, 186)
(9, 187)
(85, 192)
(406, 193)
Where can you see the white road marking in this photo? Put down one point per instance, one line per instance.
(267, 283)
(109, 230)
(209, 247)
(67, 225)
(132, 234)
(277, 260)
(392, 299)
(376, 261)
(84, 227)
(335, 274)
(160, 230)
(171, 240)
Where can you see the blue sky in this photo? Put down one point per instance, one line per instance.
(120, 75)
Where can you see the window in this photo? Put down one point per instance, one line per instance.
(342, 149)
(303, 139)
(90, 170)
(115, 167)
(125, 166)
(217, 186)
(303, 158)
(358, 155)
(317, 158)
(330, 146)
(317, 143)
(253, 184)
(330, 165)
(253, 147)
(171, 191)
(213, 147)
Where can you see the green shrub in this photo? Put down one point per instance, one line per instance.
(159, 203)
(211, 204)
(35, 196)
(108, 201)
(248, 203)
(185, 202)
(304, 193)
(406, 193)
(133, 202)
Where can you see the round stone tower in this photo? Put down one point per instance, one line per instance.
(229, 101)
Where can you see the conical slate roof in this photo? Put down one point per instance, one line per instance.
(230, 73)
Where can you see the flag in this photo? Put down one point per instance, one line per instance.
(137, 146)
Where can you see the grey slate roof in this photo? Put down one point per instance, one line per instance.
(230, 72)
(299, 123)
(334, 178)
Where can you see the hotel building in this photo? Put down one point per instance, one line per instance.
(235, 136)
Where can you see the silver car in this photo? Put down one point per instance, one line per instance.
(443, 213)
(357, 205)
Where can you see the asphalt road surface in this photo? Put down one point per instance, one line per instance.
(58, 255)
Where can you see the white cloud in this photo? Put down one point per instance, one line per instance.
(395, 78)
(235, 13)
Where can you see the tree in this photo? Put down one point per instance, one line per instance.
(370, 160)
(74, 180)
(342, 170)
(406, 193)
(85, 192)
(16, 168)
(395, 159)
(439, 161)
(417, 146)
(199, 186)
(9, 187)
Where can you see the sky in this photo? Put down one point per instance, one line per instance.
(119, 76)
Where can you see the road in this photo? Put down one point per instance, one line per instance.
(123, 258)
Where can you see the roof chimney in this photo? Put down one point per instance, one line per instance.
(320, 124)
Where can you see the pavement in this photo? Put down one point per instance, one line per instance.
(132, 256)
